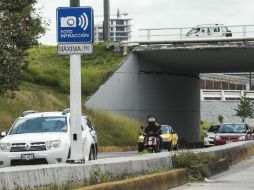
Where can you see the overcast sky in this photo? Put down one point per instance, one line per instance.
(159, 13)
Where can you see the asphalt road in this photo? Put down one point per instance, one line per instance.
(117, 154)
(238, 177)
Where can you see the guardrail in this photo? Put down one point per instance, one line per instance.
(178, 33)
(225, 95)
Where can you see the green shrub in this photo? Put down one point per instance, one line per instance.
(204, 126)
(189, 159)
(114, 130)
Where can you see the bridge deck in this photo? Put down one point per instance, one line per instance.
(200, 56)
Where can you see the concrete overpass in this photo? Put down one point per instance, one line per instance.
(161, 78)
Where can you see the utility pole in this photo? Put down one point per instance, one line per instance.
(106, 22)
(77, 154)
(250, 80)
(74, 3)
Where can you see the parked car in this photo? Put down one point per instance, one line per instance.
(210, 135)
(169, 136)
(232, 132)
(209, 30)
(44, 138)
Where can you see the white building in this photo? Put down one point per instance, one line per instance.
(120, 29)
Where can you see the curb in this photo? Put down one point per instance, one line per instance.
(158, 181)
(208, 170)
(214, 168)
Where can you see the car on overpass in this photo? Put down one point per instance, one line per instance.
(233, 132)
(210, 135)
(44, 138)
(209, 30)
(169, 136)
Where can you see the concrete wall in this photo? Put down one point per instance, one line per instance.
(211, 109)
(30, 177)
(140, 88)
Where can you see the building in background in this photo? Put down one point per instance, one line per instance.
(120, 29)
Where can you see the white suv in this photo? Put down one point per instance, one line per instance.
(44, 138)
(209, 30)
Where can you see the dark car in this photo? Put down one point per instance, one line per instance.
(231, 132)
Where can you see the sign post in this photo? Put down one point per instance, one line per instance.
(75, 37)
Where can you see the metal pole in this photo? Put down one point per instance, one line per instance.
(148, 34)
(77, 154)
(106, 22)
(244, 31)
(250, 80)
(181, 33)
(74, 3)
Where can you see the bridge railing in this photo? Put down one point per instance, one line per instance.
(148, 34)
(225, 95)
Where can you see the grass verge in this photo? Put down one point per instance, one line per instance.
(48, 68)
(192, 162)
(112, 130)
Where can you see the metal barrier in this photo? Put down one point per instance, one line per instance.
(225, 95)
(238, 31)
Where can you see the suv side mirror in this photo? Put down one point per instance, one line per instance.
(3, 134)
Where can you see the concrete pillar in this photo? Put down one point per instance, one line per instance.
(137, 89)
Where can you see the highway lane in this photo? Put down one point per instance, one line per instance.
(121, 154)
(239, 176)
(117, 154)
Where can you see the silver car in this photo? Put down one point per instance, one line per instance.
(210, 135)
(209, 30)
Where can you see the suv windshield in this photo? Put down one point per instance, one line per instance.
(193, 31)
(39, 125)
(233, 128)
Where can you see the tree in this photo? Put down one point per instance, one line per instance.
(20, 27)
(220, 118)
(245, 109)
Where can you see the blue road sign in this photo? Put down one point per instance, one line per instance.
(74, 24)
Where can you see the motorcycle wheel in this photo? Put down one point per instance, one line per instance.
(150, 150)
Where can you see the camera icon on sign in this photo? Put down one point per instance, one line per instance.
(69, 21)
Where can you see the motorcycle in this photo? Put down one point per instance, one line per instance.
(151, 142)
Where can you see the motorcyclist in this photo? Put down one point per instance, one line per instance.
(154, 127)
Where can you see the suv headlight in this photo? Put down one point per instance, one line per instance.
(5, 147)
(53, 144)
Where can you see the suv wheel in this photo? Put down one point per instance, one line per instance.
(92, 155)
